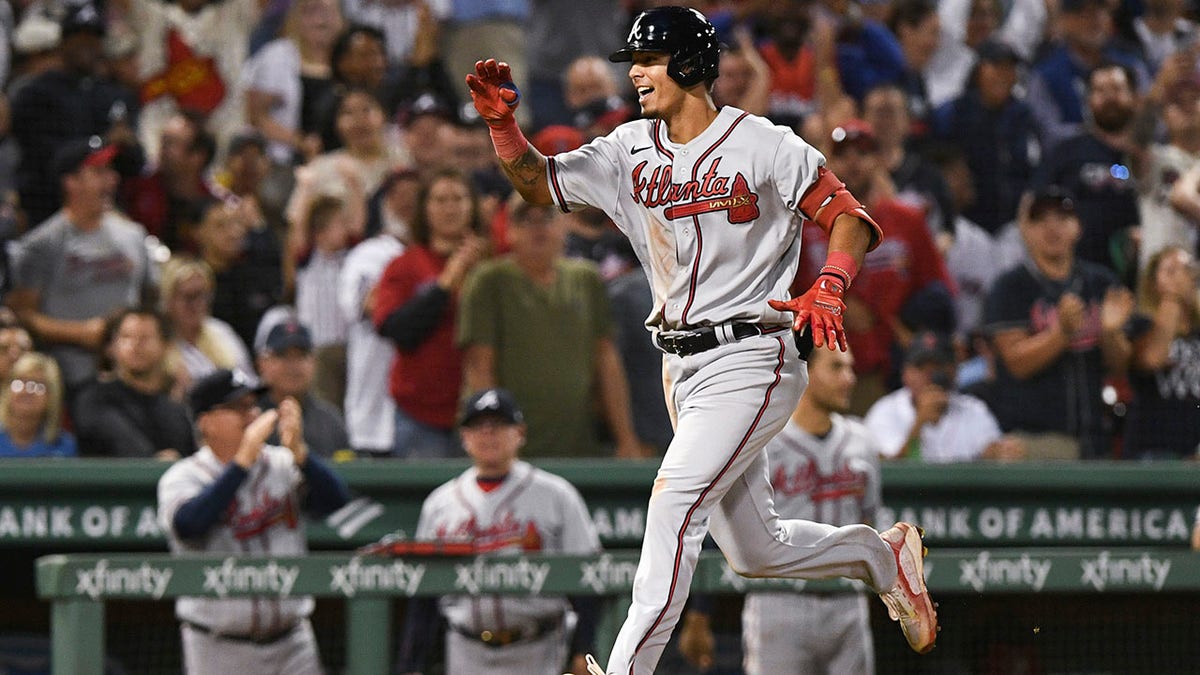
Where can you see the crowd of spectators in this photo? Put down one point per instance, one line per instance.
(301, 190)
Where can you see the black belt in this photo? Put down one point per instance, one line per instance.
(503, 638)
(704, 338)
(267, 639)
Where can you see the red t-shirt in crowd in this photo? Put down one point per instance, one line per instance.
(904, 263)
(424, 382)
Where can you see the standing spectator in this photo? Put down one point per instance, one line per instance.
(285, 79)
(535, 306)
(350, 173)
(903, 269)
(64, 103)
(1165, 376)
(503, 506)
(84, 262)
(1168, 197)
(1094, 166)
(918, 29)
(416, 308)
(316, 295)
(997, 134)
(790, 58)
(928, 420)
(161, 199)
(248, 276)
(239, 495)
(189, 55)
(1058, 80)
(408, 31)
(746, 78)
(1056, 324)
(286, 365)
(971, 254)
(557, 32)
(203, 343)
(1164, 30)
(359, 61)
(129, 413)
(370, 411)
(917, 181)
(31, 410)
(593, 98)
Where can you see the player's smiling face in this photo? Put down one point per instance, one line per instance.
(658, 94)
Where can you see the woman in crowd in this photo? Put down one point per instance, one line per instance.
(1163, 422)
(415, 308)
(31, 411)
(203, 343)
(284, 81)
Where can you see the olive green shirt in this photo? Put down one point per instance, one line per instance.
(545, 340)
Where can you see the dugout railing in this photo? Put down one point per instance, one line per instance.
(79, 585)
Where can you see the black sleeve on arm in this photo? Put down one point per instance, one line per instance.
(326, 491)
(587, 610)
(420, 633)
(198, 514)
(411, 323)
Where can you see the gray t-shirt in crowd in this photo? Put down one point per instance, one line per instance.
(80, 275)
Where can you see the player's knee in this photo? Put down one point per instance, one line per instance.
(748, 563)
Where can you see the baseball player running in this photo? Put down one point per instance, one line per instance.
(712, 201)
(503, 506)
(239, 496)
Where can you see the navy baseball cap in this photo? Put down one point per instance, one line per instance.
(77, 153)
(220, 388)
(1050, 198)
(929, 347)
(83, 18)
(997, 51)
(287, 334)
(494, 403)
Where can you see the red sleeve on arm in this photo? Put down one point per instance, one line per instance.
(395, 287)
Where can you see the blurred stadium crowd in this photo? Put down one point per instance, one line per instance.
(301, 189)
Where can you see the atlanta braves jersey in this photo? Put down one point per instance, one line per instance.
(264, 519)
(531, 511)
(714, 221)
(835, 480)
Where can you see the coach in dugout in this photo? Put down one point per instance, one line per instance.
(241, 496)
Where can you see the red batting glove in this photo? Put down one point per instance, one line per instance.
(493, 92)
(822, 308)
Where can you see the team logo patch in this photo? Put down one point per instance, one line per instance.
(742, 204)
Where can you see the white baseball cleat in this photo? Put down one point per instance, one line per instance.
(908, 602)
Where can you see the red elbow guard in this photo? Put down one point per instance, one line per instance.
(827, 198)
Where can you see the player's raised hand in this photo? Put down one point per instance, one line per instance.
(254, 437)
(493, 92)
(820, 309)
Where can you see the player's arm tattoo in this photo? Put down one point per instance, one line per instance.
(528, 176)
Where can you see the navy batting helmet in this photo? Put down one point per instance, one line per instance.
(681, 32)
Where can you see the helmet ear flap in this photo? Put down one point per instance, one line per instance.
(686, 70)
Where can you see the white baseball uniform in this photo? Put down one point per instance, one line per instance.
(715, 225)
(370, 410)
(835, 480)
(263, 520)
(531, 511)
